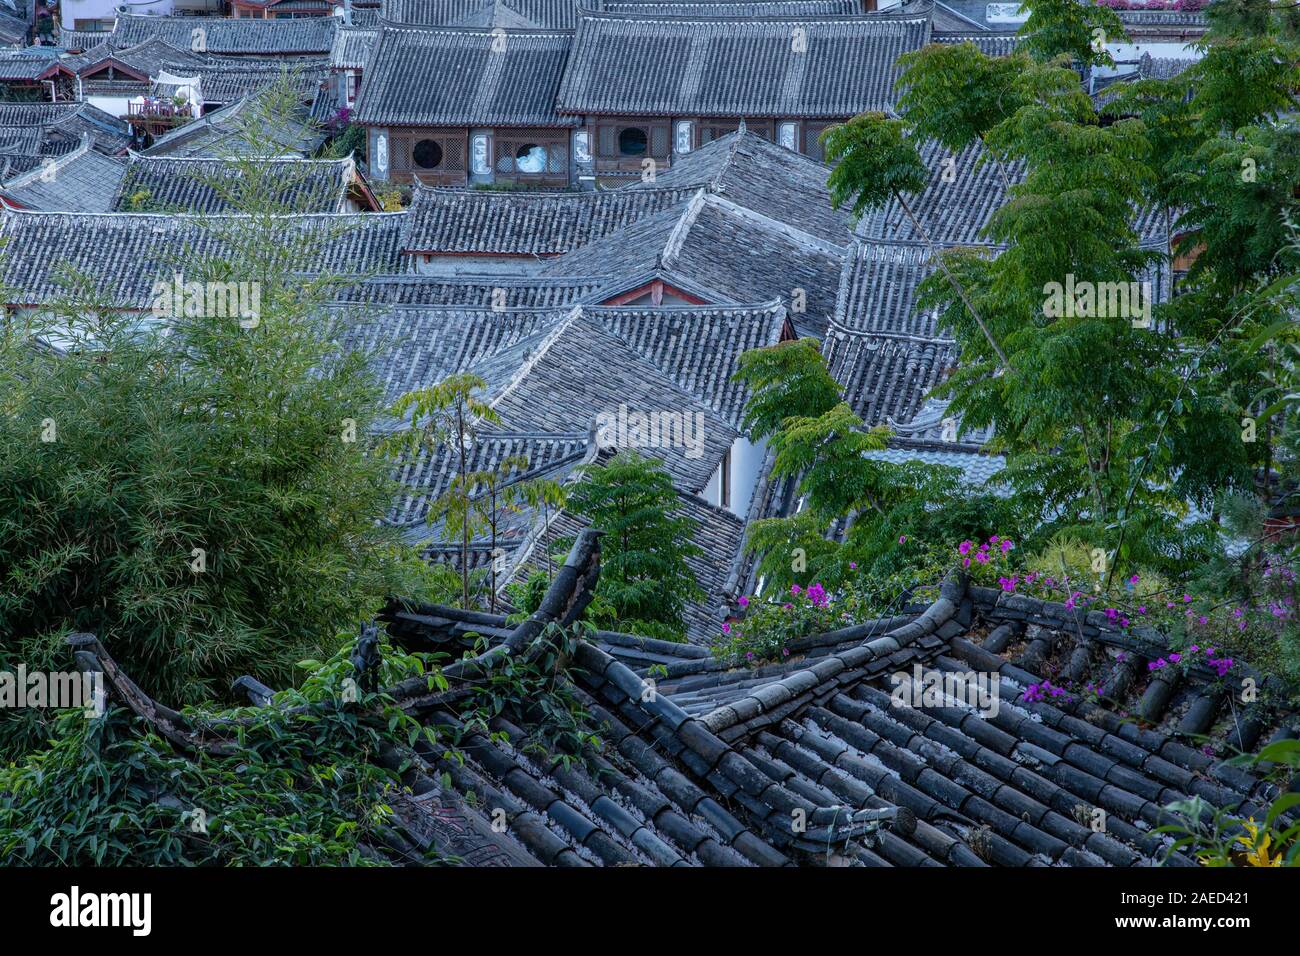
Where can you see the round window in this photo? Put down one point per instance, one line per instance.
(427, 154)
(530, 158)
(632, 141)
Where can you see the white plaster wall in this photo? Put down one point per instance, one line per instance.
(74, 10)
(746, 462)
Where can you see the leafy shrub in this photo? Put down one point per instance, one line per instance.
(299, 790)
(1219, 837)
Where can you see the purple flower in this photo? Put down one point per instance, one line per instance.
(902, 539)
(853, 565)
(743, 602)
(795, 590)
(1175, 657)
(964, 548)
(726, 627)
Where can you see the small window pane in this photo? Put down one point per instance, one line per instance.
(427, 154)
(632, 141)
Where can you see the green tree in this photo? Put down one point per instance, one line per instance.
(451, 415)
(645, 576)
(1077, 32)
(195, 489)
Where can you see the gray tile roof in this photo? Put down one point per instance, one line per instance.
(877, 293)
(188, 185)
(717, 760)
(886, 377)
(83, 180)
(559, 380)
(476, 291)
(79, 40)
(418, 346)
(27, 63)
(146, 57)
(629, 64)
(990, 44)
(526, 223)
(233, 36)
(428, 476)
(64, 123)
(125, 253)
(764, 177)
(976, 468)
(952, 213)
(226, 79)
(552, 371)
(746, 9)
(454, 76)
(698, 347)
(352, 48)
(511, 14)
(221, 133)
(713, 244)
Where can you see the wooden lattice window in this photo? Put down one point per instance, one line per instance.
(624, 144)
(707, 130)
(434, 156)
(812, 140)
(531, 155)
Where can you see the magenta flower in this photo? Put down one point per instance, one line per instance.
(902, 539)
(743, 602)
(964, 548)
(726, 627)
(795, 590)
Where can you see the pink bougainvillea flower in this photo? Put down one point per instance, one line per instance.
(726, 627)
(964, 548)
(743, 602)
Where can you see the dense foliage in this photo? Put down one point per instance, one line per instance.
(194, 488)
(645, 575)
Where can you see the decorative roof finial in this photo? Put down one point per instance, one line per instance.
(741, 129)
